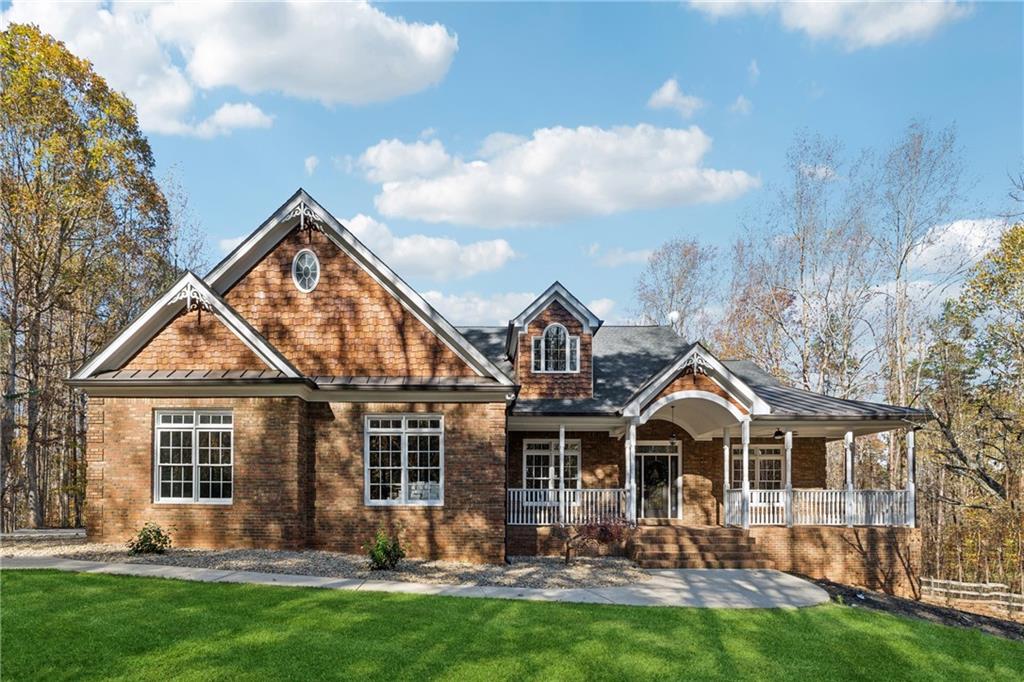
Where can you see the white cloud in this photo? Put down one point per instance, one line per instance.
(391, 160)
(310, 164)
(345, 53)
(555, 175)
(228, 245)
(232, 117)
(617, 256)
(475, 309)
(855, 25)
(602, 307)
(438, 258)
(669, 96)
(742, 105)
(962, 242)
(753, 71)
(349, 53)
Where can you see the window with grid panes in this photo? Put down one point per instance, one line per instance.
(194, 451)
(404, 459)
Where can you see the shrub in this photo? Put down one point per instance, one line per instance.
(576, 537)
(151, 539)
(384, 551)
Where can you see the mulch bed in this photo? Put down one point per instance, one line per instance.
(879, 601)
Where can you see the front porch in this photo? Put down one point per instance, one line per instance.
(570, 478)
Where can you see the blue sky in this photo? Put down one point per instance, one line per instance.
(591, 176)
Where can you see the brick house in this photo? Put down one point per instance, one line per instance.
(302, 395)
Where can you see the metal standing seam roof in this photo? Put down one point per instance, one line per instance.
(268, 376)
(626, 357)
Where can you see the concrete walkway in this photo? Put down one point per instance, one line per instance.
(712, 588)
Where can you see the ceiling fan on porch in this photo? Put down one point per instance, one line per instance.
(780, 434)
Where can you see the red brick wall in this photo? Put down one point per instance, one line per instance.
(561, 385)
(191, 341)
(471, 524)
(348, 325)
(545, 541)
(268, 463)
(884, 559)
(298, 479)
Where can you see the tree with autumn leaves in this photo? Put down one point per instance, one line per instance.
(86, 239)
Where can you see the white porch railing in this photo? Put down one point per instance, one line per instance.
(821, 507)
(543, 507)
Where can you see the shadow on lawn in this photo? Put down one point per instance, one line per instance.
(104, 626)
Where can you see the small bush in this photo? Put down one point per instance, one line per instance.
(384, 551)
(151, 539)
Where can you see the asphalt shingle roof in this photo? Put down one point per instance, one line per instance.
(626, 357)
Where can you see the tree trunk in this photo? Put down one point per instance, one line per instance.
(35, 502)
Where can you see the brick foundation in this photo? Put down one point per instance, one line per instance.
(884, 559)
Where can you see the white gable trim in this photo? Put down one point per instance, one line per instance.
(556, 292)
(646, 415)
(721, 374)
(181, 294)
(302, 207)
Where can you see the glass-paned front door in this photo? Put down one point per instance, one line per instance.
(658, 484)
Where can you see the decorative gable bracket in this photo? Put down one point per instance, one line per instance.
(193, 297)
(696, 364)
(308, 219)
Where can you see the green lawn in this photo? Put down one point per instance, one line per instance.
(81, 626)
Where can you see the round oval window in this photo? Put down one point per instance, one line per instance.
(306, 270)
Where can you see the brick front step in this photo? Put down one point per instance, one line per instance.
(669, 544)
(730, 563)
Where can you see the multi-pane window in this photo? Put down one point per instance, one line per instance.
(765, 467)
(404, 459)
(542, 465)
(194, 456)
(556, 351)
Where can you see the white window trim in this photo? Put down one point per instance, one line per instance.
(295, 278)
(404, 432)
(737, 455)
(679, 468)
(556, 477)
(196, 427)
(568, 351)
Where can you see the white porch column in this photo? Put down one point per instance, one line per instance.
(911, 481)
(631, 472)
(745, 437)
(850, 451)
(561, 472)
(789, 478)
(726, 466)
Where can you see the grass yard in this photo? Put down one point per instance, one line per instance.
(81, 626)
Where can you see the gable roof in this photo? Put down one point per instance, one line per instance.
(556, 292)
(300, 208)
(186, 293)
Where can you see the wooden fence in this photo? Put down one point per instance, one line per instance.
(994, 594)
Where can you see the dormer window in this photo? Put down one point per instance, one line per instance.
(556, 351)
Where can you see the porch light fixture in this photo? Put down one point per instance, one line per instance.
(672, 439)
(778, 435)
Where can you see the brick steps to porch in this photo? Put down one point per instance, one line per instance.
(669, 544)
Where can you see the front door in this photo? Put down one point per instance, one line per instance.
(657, 481)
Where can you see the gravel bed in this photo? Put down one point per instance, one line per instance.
(542, 572)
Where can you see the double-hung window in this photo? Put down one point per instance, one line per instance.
(404, 460)
(194, 456)
(542, 464)
(765, 467)
(556, 351)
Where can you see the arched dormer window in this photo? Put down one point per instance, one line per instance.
(556, 351)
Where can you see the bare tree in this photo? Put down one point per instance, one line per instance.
(678, 287)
